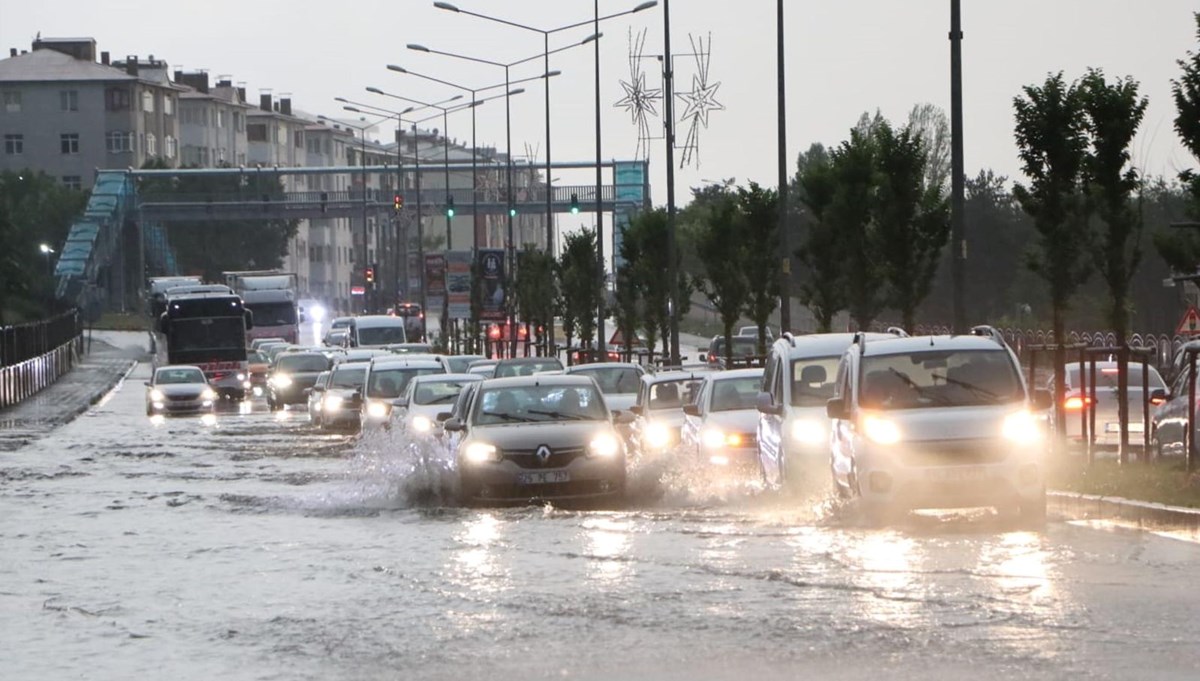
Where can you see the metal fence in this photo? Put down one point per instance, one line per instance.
(34, 355)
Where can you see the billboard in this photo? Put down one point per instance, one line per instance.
(630, 181)
(458, 284)
(435, 281)
(491, 269)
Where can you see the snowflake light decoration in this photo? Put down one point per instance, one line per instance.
(699, 102)
(639, 100)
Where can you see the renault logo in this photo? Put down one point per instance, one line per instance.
(543, 453)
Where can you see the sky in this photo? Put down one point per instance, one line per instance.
(843, 58)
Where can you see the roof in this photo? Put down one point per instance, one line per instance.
(401, 362)
(372, 321)
(824, 344)
(734, 373)
(916, 344)
(446, 378)
(665, 376)
(539, 379)
(602, 365)
(52, 65)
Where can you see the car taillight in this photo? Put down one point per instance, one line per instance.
(1157, 401)
(1075, 403)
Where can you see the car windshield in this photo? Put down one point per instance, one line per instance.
(390, 382)
(165, 376)
(673, 394)
(437, 392)
(273, 314)
(729, 394)
(527, 368)
(381, 335)
(539, 403)
(613, 380)
(1106, 377)
(939, 378)
(302, 363)
(348, 377)
(743, 346)
(813, 379)
(339, 323)
(255, 357)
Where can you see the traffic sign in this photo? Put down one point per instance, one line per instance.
(358, 290)
(618, 339)
(1190, 324)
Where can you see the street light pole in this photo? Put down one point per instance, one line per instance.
(785, 248)
(958, 224)
(669, 119)
(600, 330)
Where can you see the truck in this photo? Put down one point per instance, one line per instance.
(206, 329)
(271, 296)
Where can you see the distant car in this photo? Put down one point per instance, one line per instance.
(291, 375)
(719, 427)
(484, 367)
(659, 411)
(411, 348)
(745, 348)
(375, 331)
(618, 381)
(1169, 418)
(339, 323)
(257, 343)
(179, 389)
(458, 364)
(534, 438)
(416, 410)
(752, 332)
(335, 337)
(316, 397)
(360, 355)
(387, 378)
(257, 368)
(526, 366)
(343, 396)
(1107, 418)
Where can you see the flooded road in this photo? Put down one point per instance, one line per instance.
(253, 547)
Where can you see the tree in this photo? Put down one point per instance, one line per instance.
(644, 248)
(929, 124)
(912, 219)
(627, 297)
(821, 249)
(760, 208)
(850, 214)
(724, 253)
(535, 286)
(1052, 143)
(1186, 93)
(578, 274)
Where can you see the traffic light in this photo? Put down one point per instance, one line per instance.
(449, 206)
(512, 211)
(370, 275)
(574, 204)
(398, 202)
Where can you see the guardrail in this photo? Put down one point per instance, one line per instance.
(34, 355)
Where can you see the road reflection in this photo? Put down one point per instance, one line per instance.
(608, 543)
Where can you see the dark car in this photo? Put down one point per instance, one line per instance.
(536, 438)
(745, 351)
(526, 366)
(291, 375)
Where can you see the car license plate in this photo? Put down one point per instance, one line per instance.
(543, 478)
(957, 474)
(1116, 428)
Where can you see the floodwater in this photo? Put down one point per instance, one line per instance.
(253, 547)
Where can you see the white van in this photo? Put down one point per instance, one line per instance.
(375, 331)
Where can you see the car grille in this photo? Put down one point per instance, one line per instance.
(184, 397)
(953, 453)
(527, 458)
(547, 491)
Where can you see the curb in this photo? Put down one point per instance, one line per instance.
(1140, 514)
(99, 393)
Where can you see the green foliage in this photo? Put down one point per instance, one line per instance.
(1181, 248)
(579, 277)
(760, 208)
(850, 213)
(723, 250)
(536, 288)
(821, 249)
(34, 209)
(209, 248)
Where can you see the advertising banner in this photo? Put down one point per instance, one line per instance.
(491, 269)
(435, 281)
(458, 284)
(630, 182)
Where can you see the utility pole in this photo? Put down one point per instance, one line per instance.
(669, 120)
(958, 227)
(785, 247)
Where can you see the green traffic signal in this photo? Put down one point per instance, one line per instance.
(512, 212)
(574, 204)
(449, 206)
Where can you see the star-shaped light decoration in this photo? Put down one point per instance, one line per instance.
(638, 99)
(700, 101)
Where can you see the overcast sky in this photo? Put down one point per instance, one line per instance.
(843, 58)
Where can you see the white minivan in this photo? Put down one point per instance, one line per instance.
(375, 331)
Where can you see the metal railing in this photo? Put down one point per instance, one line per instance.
(34, 355)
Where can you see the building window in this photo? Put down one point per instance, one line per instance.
(220, 118)
(12, 101)
(116, 99)
(68, 100)
(281, 135)
(221, 155)
(298, 139)
(170, 146)
(69, 142)
(14, 144)
(239, 121)
(72, 182)
(119, 142)
(148, 101)
(151, 144)
(256, 132)
(168, 105)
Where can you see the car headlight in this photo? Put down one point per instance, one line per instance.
(712, 438)
(604, 445)
(881, 430)
(208, 394)
(281, 380)
(657, 436)
(1021, 427)
(422, 424)
(333, 402)
(377, 410)
(809, 432)
(480, 452)
(157, 395)
(241, 377)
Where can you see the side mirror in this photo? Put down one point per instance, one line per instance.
(1158, 395)
(1044, 399)
(765, 404)
(400, 402)
(443, 416)
(454, 425)
(249, 320)
(836, 409)
(623, 418)
(691, 410)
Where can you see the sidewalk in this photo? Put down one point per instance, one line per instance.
(92, 378)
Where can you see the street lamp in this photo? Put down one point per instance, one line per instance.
(595, 37)
(47, 251)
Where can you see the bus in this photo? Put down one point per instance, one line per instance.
(207, 330)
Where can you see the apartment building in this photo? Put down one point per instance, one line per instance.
(64, 113)
(212, 121)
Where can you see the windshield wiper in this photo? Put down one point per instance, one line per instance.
(978, 390)
(507, 417)
(921, 390)
(558, 415)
